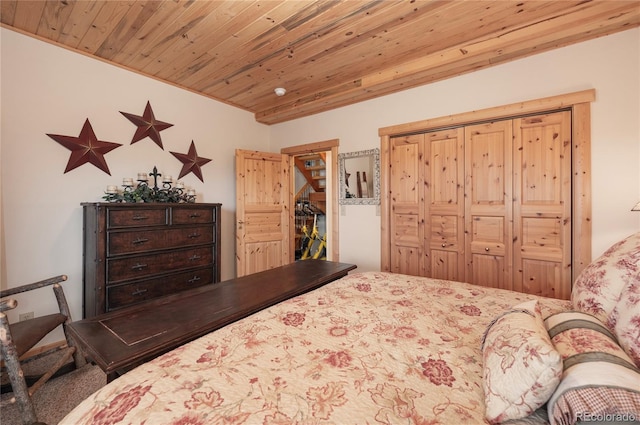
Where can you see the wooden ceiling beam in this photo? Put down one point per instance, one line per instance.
(136, 51)
(258, 59)
(325, 53)
(79, 20)
(544, 35)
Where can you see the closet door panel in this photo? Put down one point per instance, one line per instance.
(542, 213)
(487, 234)
(541, 276)
(445, 265)
(446, 261)
(407, 223)
(488, 165)
(445, 232)
(488, 270)
(445, 207)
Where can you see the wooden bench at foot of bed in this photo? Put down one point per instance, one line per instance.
(122, 339)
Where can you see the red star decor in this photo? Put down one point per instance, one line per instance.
(148, 125)
(191, 162)
(85, 148)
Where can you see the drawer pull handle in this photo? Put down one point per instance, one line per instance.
(194, 215)
(140, 241)
(194, 258)
(139, 292)
(444, 245)
(194, 235)
(138, 266)
(140, 217)
(194, 279)
(487, 249)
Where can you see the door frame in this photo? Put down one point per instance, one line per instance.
(580, 105)
(331, 148)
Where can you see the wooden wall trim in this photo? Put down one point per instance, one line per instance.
(506, 111)
(581, 182)
(580, 105)
(325, 145)
(385, 202)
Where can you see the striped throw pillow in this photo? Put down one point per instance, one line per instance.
(599, 381)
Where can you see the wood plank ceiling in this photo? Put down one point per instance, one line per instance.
(325, 53)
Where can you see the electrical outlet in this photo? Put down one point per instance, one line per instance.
(26, 316)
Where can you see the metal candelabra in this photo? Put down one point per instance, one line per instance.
(142, 192)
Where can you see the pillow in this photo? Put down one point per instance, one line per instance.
(521, 368)
(626, 319)
(598, 288)
(600, 382)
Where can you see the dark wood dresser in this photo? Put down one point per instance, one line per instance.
(137, 252)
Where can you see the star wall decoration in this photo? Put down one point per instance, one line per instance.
(85, 148)
(191, 162)
(148, 126)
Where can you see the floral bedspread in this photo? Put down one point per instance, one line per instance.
(370, 348)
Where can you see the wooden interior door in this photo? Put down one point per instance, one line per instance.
(488, 165)
(542, 211)
(407, 215)
(262, 208)
(445, 203)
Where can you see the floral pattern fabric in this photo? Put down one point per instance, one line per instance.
(599, 379)
(609, 289)
(370, 348)
(521, 366)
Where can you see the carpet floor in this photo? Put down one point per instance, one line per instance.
(58, 396)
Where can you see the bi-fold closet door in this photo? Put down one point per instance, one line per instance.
(487, 203)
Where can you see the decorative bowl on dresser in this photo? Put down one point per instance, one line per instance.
(134, 252)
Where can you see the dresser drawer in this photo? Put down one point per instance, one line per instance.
(192, 216)
(150, 240)
(132, 293)
(128, 268)
(136, 217)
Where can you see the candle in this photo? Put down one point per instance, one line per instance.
(112, 189)
(167, 179)
(179, 185)
(127, 181)
(142, 176)
(191, 192)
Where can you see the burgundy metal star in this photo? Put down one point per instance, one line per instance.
(191, 162)
(86, 148)
(148, 125)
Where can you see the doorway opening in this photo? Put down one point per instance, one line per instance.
(314, 217)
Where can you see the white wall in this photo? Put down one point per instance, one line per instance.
(47, 89)
(610, 65)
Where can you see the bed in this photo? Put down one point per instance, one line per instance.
(382, 348)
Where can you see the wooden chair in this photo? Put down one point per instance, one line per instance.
(20, 337)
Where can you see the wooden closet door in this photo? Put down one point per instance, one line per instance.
(407, 216)
(488, 165)
(445, 204)
(542, 210)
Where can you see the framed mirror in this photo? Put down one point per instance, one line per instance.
(359, 177)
